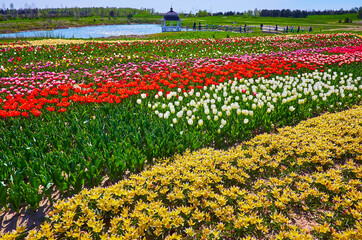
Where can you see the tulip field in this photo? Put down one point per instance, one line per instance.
(147, 117)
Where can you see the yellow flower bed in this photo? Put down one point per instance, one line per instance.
(261, 189)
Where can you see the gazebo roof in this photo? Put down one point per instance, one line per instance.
(171, 16)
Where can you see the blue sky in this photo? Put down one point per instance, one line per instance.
(191, 5)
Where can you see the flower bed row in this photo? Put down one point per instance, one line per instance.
(261, 188)
(95, 55)
(232, 109)
(22, 95)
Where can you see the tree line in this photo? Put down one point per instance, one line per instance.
(112, 12)
(280, 13)
(49, 13)
(303, 13)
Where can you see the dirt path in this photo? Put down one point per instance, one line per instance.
(354, 28)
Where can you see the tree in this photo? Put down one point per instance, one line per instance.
(111, 14)
(249, 13)
(218, 14)
(297, 13)
(256, 13)
(203, 13)
(285, 13)
(359, 14)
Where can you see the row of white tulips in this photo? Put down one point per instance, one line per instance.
(255, 99)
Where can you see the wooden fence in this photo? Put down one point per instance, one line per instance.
(249, 29)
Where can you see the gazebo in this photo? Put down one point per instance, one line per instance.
(168, 22)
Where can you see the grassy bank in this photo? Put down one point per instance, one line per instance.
(19, 25)
(318, 22)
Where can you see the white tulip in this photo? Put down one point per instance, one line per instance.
(179, 114)
(166, 115)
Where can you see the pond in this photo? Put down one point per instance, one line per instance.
(90, 31)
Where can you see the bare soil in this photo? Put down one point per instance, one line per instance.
(28, 218)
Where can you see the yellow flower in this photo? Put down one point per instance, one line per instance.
(157, 223)
(190, 232)
(221, 226)
(190, 222)
(198, 215)
(158, 231)
(166, 222)
(174, 236)
(177, 221)
(322, 228)
(98, 227)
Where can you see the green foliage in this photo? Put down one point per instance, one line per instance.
(79, 148)
(347, 20)
(202, 13)
(359, 14)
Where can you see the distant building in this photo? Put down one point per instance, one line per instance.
(171, 22)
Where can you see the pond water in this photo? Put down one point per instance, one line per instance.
(90, 32)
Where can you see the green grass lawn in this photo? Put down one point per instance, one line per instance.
(318, 22)
(322, 21)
